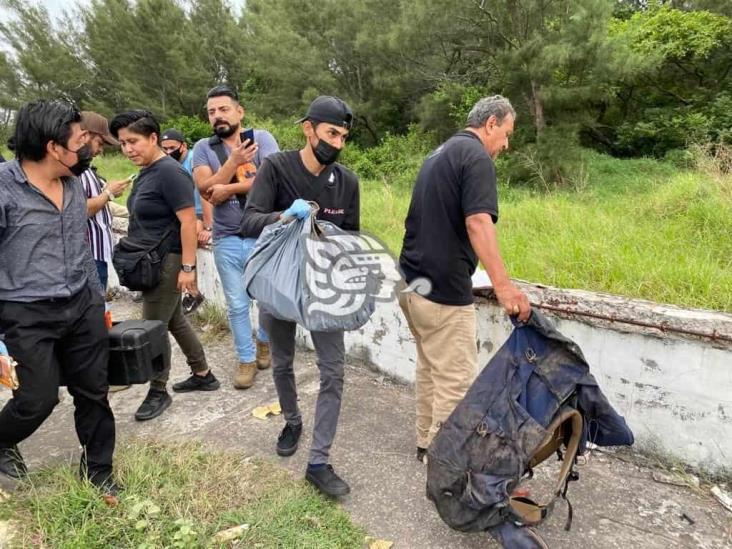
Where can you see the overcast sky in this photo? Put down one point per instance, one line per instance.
(56, 7)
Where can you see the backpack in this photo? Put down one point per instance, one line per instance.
(535, 398)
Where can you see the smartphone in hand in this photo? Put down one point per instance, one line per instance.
(248, 134)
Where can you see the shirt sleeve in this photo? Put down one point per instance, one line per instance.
(177, 189)
(260, 202)
(478, 187)
(86, 184)
(200, 158)
(352, 220)
(267, 144)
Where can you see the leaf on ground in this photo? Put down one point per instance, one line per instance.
(261, 412)
(722, 497)
(230, 534)
(374, 543)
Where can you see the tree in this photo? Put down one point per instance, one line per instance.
(46, 58)
(145, 54)
(683, 91)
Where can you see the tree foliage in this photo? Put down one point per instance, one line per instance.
(630, 77)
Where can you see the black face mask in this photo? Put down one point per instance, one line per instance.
(176, 154)
(325, 153)
(84, 158)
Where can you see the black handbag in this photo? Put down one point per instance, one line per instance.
(139, 264)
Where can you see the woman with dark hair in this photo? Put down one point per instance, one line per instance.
(162, 202)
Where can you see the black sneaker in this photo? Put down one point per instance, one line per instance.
(326, 480)
(288, 439)
(154, 404)
(108, 489)
(421, 454)
(197, 383)
(12, 464)
(103, 482)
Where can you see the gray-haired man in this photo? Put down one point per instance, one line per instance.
(449, 227)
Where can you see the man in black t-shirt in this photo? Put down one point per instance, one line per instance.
(284, 182)
(449, 227)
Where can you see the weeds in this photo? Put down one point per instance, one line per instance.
(212, 320)
(640, 227)
(176, 495)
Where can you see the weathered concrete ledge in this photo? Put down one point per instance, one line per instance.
(628, 315)
(667, 370)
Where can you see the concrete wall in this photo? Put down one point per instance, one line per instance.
(674, 388)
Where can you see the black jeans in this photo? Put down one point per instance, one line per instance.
(48, 338)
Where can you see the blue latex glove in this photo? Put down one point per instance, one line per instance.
(299, 208)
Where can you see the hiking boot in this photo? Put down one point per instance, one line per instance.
(324, 478)
(288, 439)
(244, 378)
(197, 383)
(422, 455)
(264, 357)
(155, 403)
(12, 464)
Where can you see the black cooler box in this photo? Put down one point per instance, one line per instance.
(136, 349)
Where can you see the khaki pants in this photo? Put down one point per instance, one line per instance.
(447, 359)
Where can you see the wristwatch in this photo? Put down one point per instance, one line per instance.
(209, 229)
(187, 268)
(110, 194)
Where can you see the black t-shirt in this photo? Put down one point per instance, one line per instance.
(160, 190)
(458, 179)
(282, 178)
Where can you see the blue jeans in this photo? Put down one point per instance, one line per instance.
(103, 272)
(230, 255)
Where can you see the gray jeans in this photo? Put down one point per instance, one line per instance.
(331, 355)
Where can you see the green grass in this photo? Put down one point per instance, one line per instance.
(177, 496)
(638, 228)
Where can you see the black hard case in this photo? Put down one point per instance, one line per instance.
(137, 348)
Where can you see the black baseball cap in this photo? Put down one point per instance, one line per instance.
(332, 110)
(175, 135)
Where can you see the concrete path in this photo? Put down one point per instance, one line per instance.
(617, 504)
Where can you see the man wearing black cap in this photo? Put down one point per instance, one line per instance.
(284, 182)
(174, 144)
